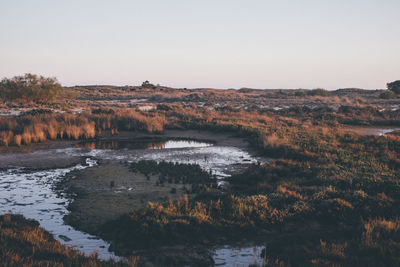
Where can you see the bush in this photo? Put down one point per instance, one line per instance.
(314, 92)
(318, 92)
(30, 87)
(245, 90)
(147, 84)
(37, 112)
(177, 173)
(387, 94)
(102, 111)
(394, 86)
(300, 93)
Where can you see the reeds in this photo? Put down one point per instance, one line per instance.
(27, 129)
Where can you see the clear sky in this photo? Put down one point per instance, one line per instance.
(204, 43)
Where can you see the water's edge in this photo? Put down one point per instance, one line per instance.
(32, 193)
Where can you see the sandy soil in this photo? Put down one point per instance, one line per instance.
(110, 190)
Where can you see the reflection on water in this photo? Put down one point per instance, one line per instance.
(372, 130)
(180, 144)
(229, 256)
(220, 160)
(144, 144)
(32, 193)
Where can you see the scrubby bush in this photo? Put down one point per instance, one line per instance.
(245, 90)
(300, 92)
(314, 92)
(102, 111)
(177, 173)
(394, 87)
(318, 92)
(387, 94)
(30, 87)
(147, 84)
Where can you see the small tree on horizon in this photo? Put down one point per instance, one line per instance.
(147, 84)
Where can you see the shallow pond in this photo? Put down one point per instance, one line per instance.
(33, 194)
(221, 160)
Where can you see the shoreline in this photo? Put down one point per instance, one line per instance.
(96, 181)
(42, 156)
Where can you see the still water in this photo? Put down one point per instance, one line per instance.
(32, 193)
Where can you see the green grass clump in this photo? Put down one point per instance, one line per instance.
(177, 173)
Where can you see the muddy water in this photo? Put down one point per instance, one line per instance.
(33, 194)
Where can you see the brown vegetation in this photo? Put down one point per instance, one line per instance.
(342, 188)
(24, 243)
(27, 129)
(319, 175)
(30, 88)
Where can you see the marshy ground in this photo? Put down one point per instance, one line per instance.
(304, 179)
(110, 190)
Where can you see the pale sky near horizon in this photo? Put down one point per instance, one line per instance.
(206, 43)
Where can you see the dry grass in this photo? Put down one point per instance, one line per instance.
(24, 243)
(378, 230)
(289, 193)
(24, 130)
(333, 249)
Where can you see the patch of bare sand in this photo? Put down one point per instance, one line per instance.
(107, 191)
